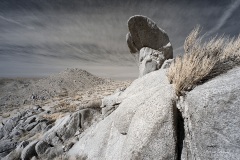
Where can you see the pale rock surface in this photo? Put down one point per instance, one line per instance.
(29, 151)
(142, 127)
(149, 60)
(16, 154)
(212, 123)
(6, 146)
(63, 129)
(167, 64)
(41, 147)
(111, 102)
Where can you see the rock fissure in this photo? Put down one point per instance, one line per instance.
(180, 132)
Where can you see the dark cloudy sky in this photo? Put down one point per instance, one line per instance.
(46, 36)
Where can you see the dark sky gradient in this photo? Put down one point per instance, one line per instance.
(40, 37)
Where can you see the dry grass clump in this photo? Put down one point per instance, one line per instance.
(54, 116)
(203, 61)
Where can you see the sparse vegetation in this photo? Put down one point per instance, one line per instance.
(54, 116)
(67, 157)
(203, 61)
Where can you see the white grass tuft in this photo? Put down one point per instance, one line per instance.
(203, 61)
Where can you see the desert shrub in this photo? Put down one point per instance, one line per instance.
(203, 61)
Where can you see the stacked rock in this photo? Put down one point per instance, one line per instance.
(149, 42)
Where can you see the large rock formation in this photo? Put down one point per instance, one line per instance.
(211, 119)
(145, 37)
(147, 124)
(141, 127)
(145, 121)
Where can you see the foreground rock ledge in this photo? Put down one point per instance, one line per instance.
(142, 127)
(147, 121)
(212, 119)
(147, 125)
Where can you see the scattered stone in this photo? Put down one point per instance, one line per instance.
(87, 117)
(63, 129)
(10, 124)
(41, 147)
(39, 127)
(167, 64)
(5, 115)
(16, 133)
(68, 146)
(48, 127)
(16, 154)
(6, 146)
(70, 126)
(36, 107)
(34, 158)
(31, 119)
(29, 151)
(31, 126)
(41, 110)
(110, 103)
(22, 145)
(53, 152)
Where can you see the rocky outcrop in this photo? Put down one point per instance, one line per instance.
(144, 121)
(6, 146)
(211, 118)
(29, 134)
(149, 42)
(29, 151)
(141, 127)
(110, 103)
(16, 154)
(151, 123)
(20, 127)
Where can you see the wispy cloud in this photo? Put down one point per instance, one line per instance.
(226, 15)
(15, 22)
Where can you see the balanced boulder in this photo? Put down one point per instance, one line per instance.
(143, 32)
(150, 42)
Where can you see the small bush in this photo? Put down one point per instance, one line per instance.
(203, 61)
